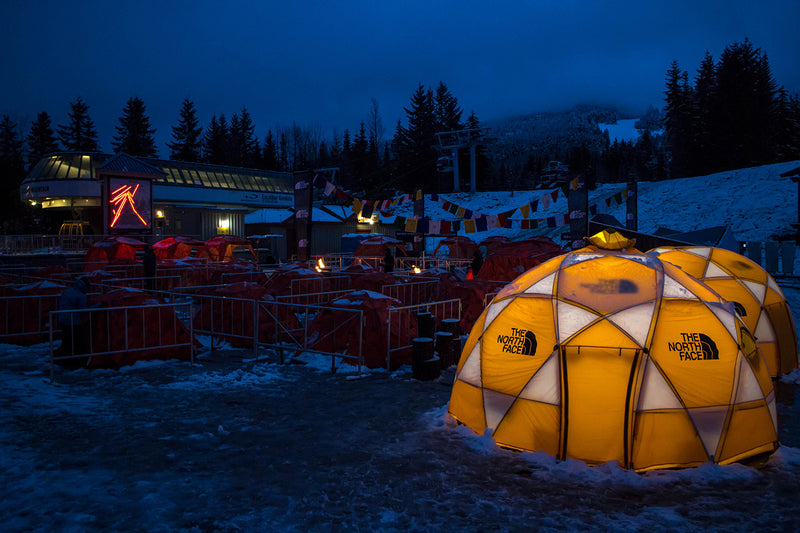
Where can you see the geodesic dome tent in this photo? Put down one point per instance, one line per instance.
(507, 261)
(376, 246)
(224, 247)
(176, 247)
(458, 246)
(113, 249)
(334, 329)
(754, 293)
(603, 355)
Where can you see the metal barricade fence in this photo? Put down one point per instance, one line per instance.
(160, 284)
(412, 293)
(25, 318)
(280, 325)
(401, 318)
(323, 284)
(159, 328)
(312, 298)
(250, 276)
(291, 330)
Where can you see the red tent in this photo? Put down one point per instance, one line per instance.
(143, 328)
(176, 247)
(489, 244)
(233, 320)
(115, 249)
(459, 247)
(336, 331)
(23, 317)
(471, 292)
(376, 246)
(222, 247)
(508, 261)
(280, 282)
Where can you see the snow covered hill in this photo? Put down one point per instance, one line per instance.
(755, 203)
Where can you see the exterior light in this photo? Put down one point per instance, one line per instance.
(160, 213)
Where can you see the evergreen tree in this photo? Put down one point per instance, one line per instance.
(186, 135)
(677, 120)
(283, 152)
(41, 139)
(215, 141)
(248, 144)
(744, 109)
(12, 166)
(704, 148)
(270, 153)
(12, 172)
(234, 142)
(79, 134)
(134, 133)
(416, 155)
(446, 110)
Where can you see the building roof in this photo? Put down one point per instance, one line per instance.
(84, 166)
(123, 163)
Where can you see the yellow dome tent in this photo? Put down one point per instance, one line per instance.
(755, 294)
(603, 355)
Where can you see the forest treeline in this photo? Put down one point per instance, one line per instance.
(730, 114)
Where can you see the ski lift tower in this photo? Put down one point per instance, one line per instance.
(456, 140)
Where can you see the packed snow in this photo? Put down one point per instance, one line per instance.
(239, 443)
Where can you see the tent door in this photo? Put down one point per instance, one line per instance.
(597, 385)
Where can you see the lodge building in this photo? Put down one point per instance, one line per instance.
(174, 197)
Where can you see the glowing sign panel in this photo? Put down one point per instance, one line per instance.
(129, 204)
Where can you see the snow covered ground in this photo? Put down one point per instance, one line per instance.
(234, 444)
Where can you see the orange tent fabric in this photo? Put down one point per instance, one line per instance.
(508, 261)
(376, 246)
(110, 249)
(221, 247)
(176, 247)
(459, 247)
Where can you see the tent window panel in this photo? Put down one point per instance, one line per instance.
(223, 180)
(86, 166)
(60, 170)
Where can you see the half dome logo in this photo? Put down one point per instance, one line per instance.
(521, 341)
(694, 347)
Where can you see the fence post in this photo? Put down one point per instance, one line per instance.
(787, 257)
(255, 328)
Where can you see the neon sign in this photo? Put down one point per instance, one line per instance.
(129, 204)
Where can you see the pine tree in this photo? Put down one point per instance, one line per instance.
(215, 141)
(270, 153)
(12, 166)
(186, 135)
(744, 109)
(703, 147)
(134, 133)
(79, 134)
(416, 156)
(677, 119)
(41, 139)
(248, 142)
(446, 110)
(12, 172)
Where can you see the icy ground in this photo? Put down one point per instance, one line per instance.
(235, 444)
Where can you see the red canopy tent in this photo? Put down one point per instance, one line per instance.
(176, 247)
(25, 317)
(115, 249)
(335, 331)
(489, 244)
(376, 246)
(458, 246)
(508, 261)
(280, 282)
(145, 330)
(221, 247)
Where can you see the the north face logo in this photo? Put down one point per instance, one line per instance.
(521, 341)
(612, 286)
(740, 310)
(694, 347)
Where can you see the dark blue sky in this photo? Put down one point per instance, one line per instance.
(319, 63)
